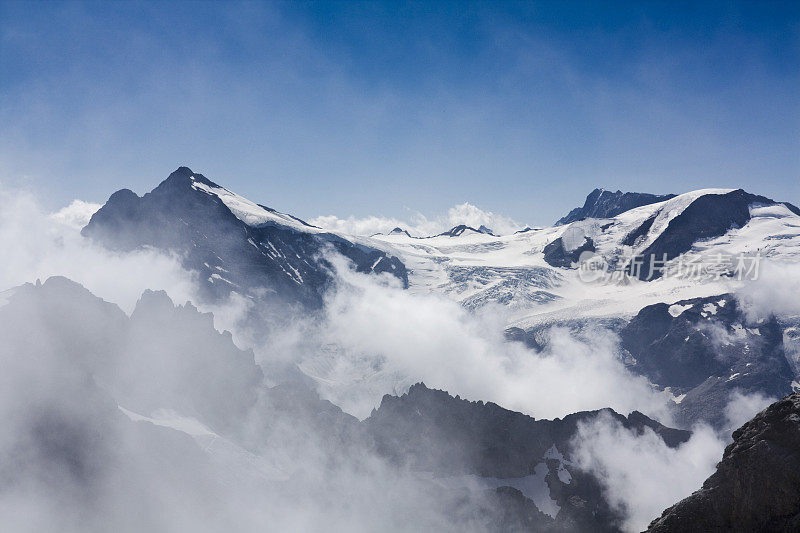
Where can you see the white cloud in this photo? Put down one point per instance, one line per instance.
(418, 225)
(77, 214)
(351, 225)
(377, 339)
(471, 215)
(40, 245)
(642, 476)
(742, 407)
(773, 293)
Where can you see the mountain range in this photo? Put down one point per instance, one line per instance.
(233, 243)
(673, 329)
(165, 375)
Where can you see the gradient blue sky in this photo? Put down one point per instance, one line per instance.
(357, 108)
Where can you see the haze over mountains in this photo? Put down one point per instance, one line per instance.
(547, 385)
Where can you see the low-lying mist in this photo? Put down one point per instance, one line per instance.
(42, 244)
(146, 418)
(376, 339)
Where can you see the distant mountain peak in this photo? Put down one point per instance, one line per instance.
(179, 175)
(602, 203)
(182, 171)
(183, 177)
(233, 244)
(459, 230)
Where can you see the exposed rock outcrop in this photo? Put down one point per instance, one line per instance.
(606, 204)
(757, 484)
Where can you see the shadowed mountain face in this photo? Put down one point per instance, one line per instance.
(486, 439)
(69, 452)
(431, 431)
(606, 204)
(757, 484)
(462, 229)
(162, 356)
(706, 349)
(705, 217)
(557, 255)
(276, 257)
(709, 216)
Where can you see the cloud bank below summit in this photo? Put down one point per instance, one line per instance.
(360, 350)
(50, 244)
(77, 214)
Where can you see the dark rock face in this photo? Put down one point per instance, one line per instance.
(429, 430)
(757, 484)
(461, 228)
(557, 255)
(631, 238)
(508, 510)
(707, 217)
(281, 261)
(399, 231)
(706, 349)
(291, 411)
(75, 320)
(606, 204)
(481, 438)
(515, 334)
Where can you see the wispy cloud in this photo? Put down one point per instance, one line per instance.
(418, 225)
(77, 214)
(49, 244)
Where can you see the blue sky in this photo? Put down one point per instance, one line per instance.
(373, 109)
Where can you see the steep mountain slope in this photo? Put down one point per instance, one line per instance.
(702, 357)
(162, 356)
(709, 216)
(474, 443)
(156, 404)
(234, 244)
(704, 350)
(534, 272)
(71, 459)
(601, 203)
(757, 484)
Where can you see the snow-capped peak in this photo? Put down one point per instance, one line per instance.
(249, 212)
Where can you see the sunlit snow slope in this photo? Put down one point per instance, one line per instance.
(477, 268)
